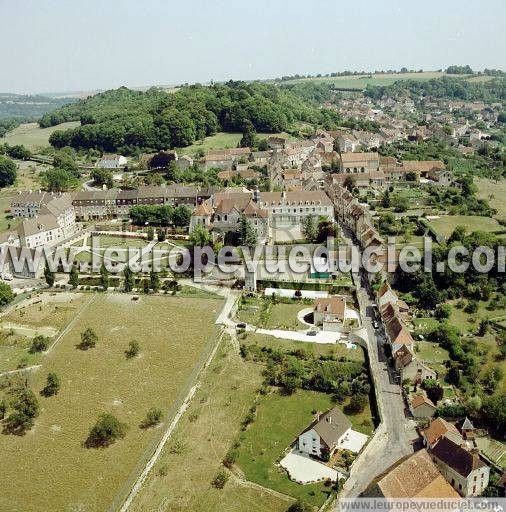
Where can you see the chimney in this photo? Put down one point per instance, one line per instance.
(328, 419)
(283, 195)
(256, 194)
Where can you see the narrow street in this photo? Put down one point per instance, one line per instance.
(396, 433)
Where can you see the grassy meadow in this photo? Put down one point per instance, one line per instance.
(445, 225)
(49, 468)
(32, 136)
(494, 193)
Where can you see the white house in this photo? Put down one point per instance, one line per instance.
(326, 434)
(112, 161)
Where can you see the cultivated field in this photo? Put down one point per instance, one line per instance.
(445, 225)
(32, 136)
(361, 81)
(49, 468)
(494, 193)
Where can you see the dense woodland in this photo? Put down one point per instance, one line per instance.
(125, 120)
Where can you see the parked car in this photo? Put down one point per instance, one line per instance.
(311, 333)
(240, 325)
(8, 277)
(375, 324)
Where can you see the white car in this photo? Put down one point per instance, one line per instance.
(8, 277)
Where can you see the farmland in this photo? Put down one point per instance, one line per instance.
(101, 380)
(32, 136)
(360, 82)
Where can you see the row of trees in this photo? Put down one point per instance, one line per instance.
(161, 215)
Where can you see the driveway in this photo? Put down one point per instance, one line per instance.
(304, 470)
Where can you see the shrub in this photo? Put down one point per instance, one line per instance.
(106, 430)
(153, 417)
(356, 405)
(133, 349)
(39, 344)
(220, 479)
(230, 458)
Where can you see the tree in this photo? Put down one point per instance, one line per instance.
(104, 277)
(58, 180)
(310, 228)
(151, 234)
(6, 294)
(181, 216)
(49, 276)
(88, 339)
(248, 135)
(74, 277)
(160, 235)
(26, 409)
(248, 235)
(299, 506)
(200, 236)
(3, 409)
(357, 404)
(433, 389)
(129, 279)
(133, 349)
(52, 385)
(106, 430)
(39, 344)
(154, 280)
(153, 417)
(411, 176)
(8, 172)
(350, 183)
(102, 177)
(443, 312)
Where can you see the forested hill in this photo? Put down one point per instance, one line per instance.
(125, 120)
(490, 91)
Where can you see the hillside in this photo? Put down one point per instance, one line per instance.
(126, 120)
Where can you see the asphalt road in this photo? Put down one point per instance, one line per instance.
(396, 434)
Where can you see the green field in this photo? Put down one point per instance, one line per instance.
(361, 81)
(494, 193)
(49, 468)
(32, 136)
(221, 140)
(446, 224)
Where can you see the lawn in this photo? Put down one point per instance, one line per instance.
(494, 193)
(263, 313)
(445, 225)
(32, 136)
(7, 222)
(49, 468)
(279, 420)
(318, 349)
(431, 352)
(181, 479)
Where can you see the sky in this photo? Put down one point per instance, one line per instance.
(65, 45)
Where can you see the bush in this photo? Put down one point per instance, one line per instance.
(39, 344)
(230, 458)
(220, 479)
(133, 349)
(299, 506)
(106, 430)
(26, 409)
(153, 417)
